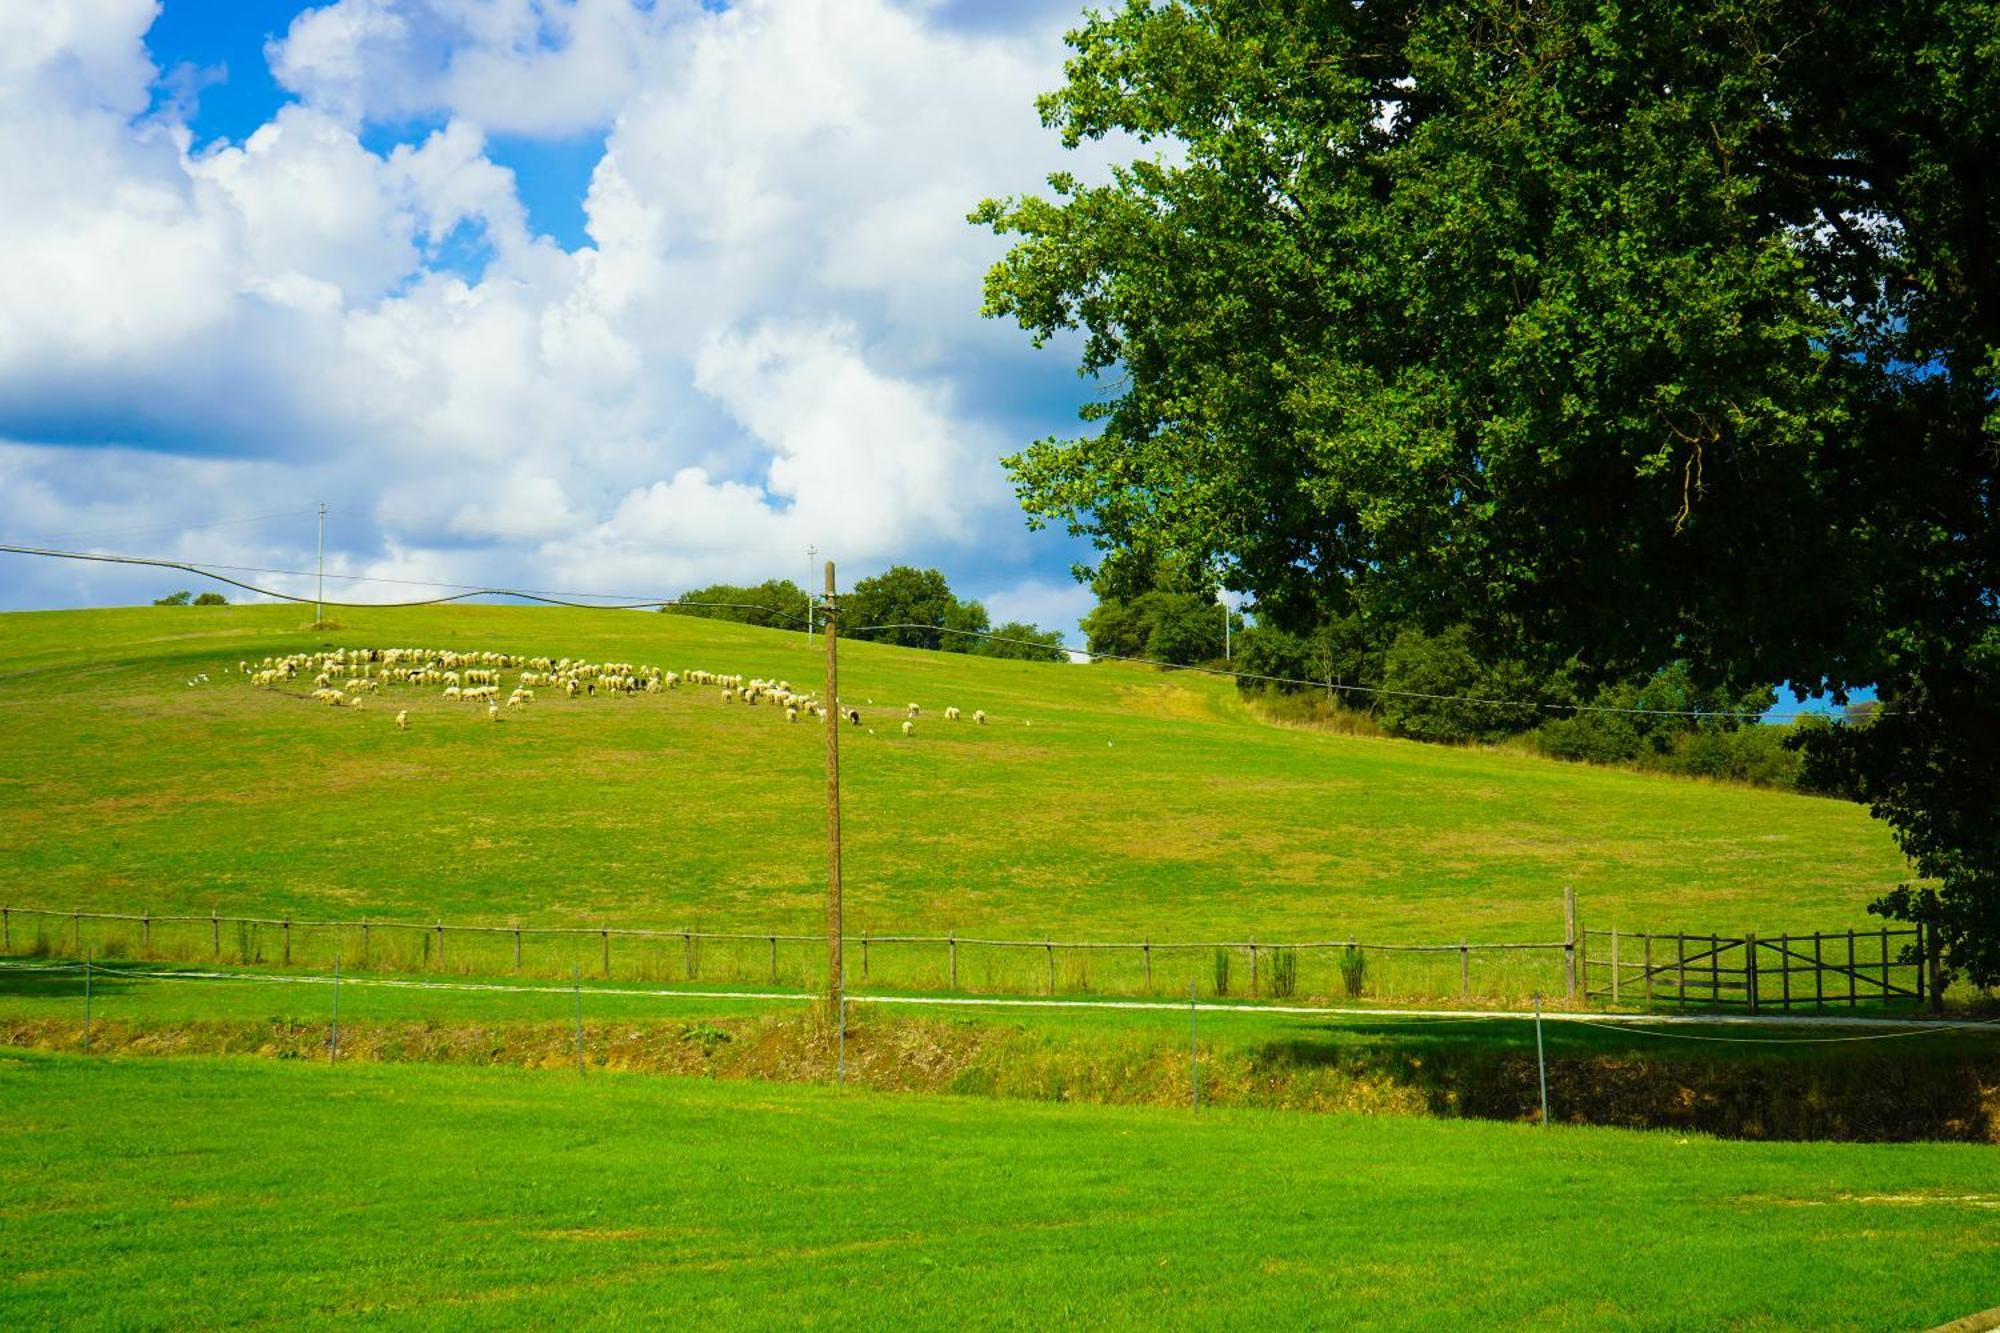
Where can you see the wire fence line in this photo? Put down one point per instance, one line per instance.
(1275, 969)
(1629, 970)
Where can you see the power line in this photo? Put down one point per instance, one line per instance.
(465, 591)
(1375, 690)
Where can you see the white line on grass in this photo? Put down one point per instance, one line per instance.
(1015, 1002)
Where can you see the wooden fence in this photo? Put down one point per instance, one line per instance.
(1890, 965)
(1254, 968)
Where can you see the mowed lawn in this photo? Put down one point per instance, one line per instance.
(174, 1192)
(1102, 802)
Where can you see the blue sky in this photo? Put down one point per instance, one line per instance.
(583, 293)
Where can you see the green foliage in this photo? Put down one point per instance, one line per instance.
(916, 602)
(211, 599)
(773, 604)
(1622, 333)
(1148, 609)
(1030, 644)
(1284, 973)
(1418, 667)
(180, 598)
(1353, 971)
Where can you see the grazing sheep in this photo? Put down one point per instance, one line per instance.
(492, 711)
(914, 710)
(979, 716)
(951, 714)
(403, 719)
(909, 728)
(854, 716)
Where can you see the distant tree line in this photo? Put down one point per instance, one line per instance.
(904, 605)
(1440, 684)
(186, 598)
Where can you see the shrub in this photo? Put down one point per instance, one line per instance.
(180, 598)
(211, 599)
(1284, 973)
(1353, 970)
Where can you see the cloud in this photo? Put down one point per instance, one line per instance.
(1043, 602)
(771, 339)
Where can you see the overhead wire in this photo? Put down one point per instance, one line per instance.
(466, 591)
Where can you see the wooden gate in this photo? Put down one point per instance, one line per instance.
(1887, 966)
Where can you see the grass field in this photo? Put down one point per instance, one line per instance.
(166, 1193)
(1103, 801)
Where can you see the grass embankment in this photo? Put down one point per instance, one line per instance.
(1102, 802)
(1731, 1081)
(170, 1193)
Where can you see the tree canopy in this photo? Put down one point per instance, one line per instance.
(1623, 334)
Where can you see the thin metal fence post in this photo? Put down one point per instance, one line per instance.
(146, 932)
(1933, 961)
(1569, 942)
(364, 942)
(1785, 974)
(774, 959)
(1714, 969)
(1541, 1060)
(687, 956)
(517, 948)
(76, 932)
(1750, 969)
(1819, 977)
(1052, 965)
(215, 930)
(607, 951)
(1885, 964)
(86, 1004)
(1646, 961)
(1681, 967)
(954, 960)
(333, 1046)
(864, 955)
(576, 990)
(1853, 968)
(1148, 948)
(1253, 969)
(1464, 970)
(1616, 989)
(440, 930)
(288, 941)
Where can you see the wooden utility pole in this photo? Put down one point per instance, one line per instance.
(834, 979)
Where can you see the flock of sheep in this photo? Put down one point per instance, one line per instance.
(343, 677)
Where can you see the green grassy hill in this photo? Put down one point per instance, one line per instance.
(1102, 801)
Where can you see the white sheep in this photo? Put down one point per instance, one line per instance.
(914, 710)
(909, 728)
(492, 711)
(951, 714)
(402, 719)
(979, 716)
(791, 715)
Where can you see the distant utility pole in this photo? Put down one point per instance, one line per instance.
(811, 551)
(319, 595)
(835, 983)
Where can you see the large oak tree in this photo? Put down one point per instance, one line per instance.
(1627, 331)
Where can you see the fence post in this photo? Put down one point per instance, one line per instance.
(864, 955)
(440, 930)
(215, 931)
(1933, 962)
(774, 959)
(146, 932)
(1885, 964)
(1819, 977)
(1464, 970)
(76, 931)
(1852, 968)
(7, 929)
(364, 941)
(1616, 989)
(953, 942)
(687, 955)
(1050, 944)
(333, 1045)
(517, 948)
(1785, 973)
(1715, 969)
(288, 941)
(1253, 969)
(86, 1004)
(1569, 942)
(1148, 947)
(606, 934)
(1646, 960)
(1750, 969)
